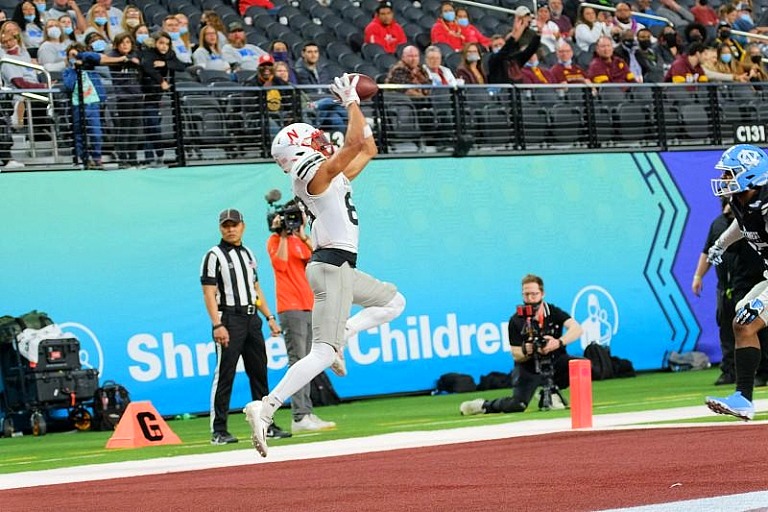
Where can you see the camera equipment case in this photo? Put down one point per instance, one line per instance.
(52, 387)
(57, 355)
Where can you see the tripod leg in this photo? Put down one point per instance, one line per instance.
(562, 398)
(545, 398)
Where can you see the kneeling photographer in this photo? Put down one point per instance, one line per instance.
(538, 348)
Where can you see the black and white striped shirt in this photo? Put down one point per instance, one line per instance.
(232, 269)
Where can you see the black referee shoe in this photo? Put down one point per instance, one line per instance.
(275, 432)
(221, 438)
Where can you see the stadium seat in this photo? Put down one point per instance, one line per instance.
(634, 122)
(366, 68)
(371, 50)
(384, 61)
(209, 76)
(336, 49)
(695, 121)
(567, 123)
(349, 61)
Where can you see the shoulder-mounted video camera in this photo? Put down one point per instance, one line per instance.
(290, 213)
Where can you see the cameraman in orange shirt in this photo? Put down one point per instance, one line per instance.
(289, 251)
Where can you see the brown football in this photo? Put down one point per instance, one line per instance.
(366, 86)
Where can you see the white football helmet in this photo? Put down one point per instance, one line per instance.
(296, 141)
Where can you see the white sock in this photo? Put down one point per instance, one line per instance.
(299, 375)
(372, 316)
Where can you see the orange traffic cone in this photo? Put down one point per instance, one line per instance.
(142, 425)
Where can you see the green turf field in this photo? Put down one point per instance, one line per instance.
(368, 417)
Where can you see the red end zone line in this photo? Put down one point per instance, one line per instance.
(568, 471)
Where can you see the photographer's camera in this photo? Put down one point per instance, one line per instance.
(290, 214)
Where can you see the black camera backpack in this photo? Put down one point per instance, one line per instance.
(109, 403)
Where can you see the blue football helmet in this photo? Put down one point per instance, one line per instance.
(744, 166)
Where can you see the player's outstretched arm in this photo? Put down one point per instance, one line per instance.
(730, 236)
(361, 160)
(354, 140)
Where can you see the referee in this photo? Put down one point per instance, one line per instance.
(232, 297)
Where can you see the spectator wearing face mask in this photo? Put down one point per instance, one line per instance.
(469, 69)
(70, 32)
(533, 73)
(746, 23)
(98, 23)
(68, 8)
(668, 45)
(627, 50)
(704, 14)
(565, 71)
(757, 71)
(52, 53)
(96, 43)
(132, 18)
(184, 29)
(649, 56)
(743, 22)
(27, 17)
(141, 36)
(724, 38)
(726, 61)
(279, 51)
(709, 65)
(446, 30)
(181, 47)
(470, 32)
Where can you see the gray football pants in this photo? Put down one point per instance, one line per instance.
(336, 289)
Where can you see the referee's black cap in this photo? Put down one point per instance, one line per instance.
(230, 214)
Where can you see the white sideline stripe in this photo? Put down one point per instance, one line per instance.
(383, 442)
(748, 502)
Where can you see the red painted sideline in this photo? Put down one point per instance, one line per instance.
(571, 471)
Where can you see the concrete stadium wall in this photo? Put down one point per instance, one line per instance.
(115, 256)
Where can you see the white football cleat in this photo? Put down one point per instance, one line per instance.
(258, 426)
(339, 365)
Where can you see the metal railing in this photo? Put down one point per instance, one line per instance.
(635, 14)
(202, 124)
(31, 100)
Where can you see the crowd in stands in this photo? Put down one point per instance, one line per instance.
(556, 44)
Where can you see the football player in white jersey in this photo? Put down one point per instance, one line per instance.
(321, 178)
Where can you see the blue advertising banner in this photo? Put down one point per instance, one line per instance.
(115, 257)
(692, 172)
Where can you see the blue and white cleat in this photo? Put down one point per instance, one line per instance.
(735, 405)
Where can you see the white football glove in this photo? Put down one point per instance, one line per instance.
(715, 254)
(345, 87)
